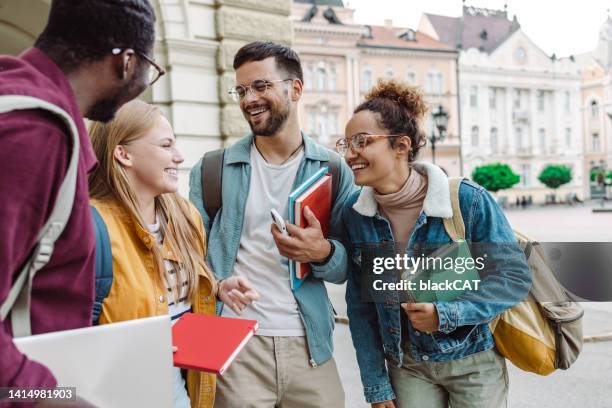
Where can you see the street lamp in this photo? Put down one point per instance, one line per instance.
(440, 119)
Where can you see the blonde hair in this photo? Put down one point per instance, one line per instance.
(110, 181)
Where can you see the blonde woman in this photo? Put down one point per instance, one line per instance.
(157, 237)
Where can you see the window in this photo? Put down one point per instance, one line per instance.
(595, 142)
(312, 123)
(517, 99)
(366, 80)
(542, 139)
(474, 96)
(594, 109)
(429, 83)
(494, 142)
(437, 84)
(518, 134)
(411, 78)
(389, 73)
(525, 175)
(492, 98)
(475, 140)
(332, 124)
(540, 98)
(568, 103)
(332, 78)
(321, 78)
(308, 77)
(568, 137)
(323, 130)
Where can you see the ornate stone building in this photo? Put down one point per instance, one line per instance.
(342, 60)
(519, 106)
(596, 102)
(196, 42)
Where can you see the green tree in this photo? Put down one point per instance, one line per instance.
(495, 177)
(555, 175)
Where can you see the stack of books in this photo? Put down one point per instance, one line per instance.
(315, 193)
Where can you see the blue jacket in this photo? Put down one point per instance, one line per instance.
(224, 236)
(376, 327)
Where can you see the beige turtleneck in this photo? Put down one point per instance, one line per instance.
(403, 207)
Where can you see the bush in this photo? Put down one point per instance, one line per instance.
(555, 175)
(495, 177)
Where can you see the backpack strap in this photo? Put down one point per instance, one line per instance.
(454, 226)
(334, 164)
(104, 264)
(212, 172)
(17, 303)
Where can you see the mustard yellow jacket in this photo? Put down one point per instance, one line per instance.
(137, 291)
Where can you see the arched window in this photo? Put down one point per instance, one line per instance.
(594, 109)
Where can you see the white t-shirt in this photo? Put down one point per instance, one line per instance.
(258, 258)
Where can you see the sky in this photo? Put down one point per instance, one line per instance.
(562, 27)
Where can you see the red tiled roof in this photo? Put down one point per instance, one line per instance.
(382, 36)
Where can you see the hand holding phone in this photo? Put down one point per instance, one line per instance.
(278, 220)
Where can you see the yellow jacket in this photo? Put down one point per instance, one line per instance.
(138, 292)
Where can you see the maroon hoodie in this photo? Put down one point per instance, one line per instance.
(34, 153)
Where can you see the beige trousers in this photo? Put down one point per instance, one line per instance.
(476, 381)
(275, 372)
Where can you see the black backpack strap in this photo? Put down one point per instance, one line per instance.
(212, 173)
(104, 263)
(334, 164)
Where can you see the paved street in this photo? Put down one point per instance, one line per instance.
(586, 384)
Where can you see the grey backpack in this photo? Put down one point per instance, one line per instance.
(17, 302)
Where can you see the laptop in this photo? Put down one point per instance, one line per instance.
(127, 364)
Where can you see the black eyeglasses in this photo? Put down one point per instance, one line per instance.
(155, 71)
(257, 87)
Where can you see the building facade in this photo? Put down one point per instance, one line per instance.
(596, 103)
(519, 106)
(343, 60)
(196, 42)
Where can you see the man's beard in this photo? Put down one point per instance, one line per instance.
(276, 121)
(105, 109)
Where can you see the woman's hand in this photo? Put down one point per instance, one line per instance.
(237, 293)
(384, 404)
(423, 316)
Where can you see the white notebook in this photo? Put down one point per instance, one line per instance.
(127, 364)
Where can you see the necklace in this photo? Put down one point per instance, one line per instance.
(286, 160)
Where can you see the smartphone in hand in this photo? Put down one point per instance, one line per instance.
(278, 220)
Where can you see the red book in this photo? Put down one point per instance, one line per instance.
(209, 343)
(318, 198)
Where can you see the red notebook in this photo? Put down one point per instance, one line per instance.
(209, 343)
(318, 198)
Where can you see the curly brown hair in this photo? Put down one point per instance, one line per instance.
(402, 108)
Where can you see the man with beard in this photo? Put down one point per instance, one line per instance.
(289, 363)
(92, 57)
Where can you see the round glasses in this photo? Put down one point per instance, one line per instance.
(257, 87)
(358, 142)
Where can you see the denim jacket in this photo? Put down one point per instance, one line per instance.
(376, 328)
(224, 235)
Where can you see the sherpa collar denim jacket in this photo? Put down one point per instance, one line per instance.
(376, 328)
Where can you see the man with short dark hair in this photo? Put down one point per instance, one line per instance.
(289, 363)
(92, 57)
